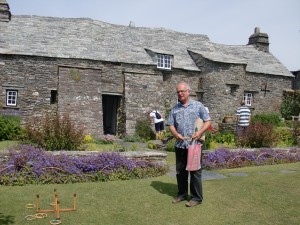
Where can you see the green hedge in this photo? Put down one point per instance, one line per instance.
(290, 104)
(10, 127)
(273, 119)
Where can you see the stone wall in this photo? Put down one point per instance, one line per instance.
(142, 95)
(224, 85)
(80, 95)
(81, 83)
(33, 78)
(171, 79)
(296, 81)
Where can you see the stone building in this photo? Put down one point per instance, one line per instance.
(107, 76)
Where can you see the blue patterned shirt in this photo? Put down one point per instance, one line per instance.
(183, 119)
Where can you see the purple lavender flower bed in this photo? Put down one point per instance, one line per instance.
(29, 165)
(223, 158)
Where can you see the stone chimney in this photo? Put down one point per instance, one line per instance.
(259, 40)
(131, 24)
(5, 14)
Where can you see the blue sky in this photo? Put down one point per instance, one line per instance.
(223, 21)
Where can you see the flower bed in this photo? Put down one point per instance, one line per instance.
(224, 158)
(29, 165)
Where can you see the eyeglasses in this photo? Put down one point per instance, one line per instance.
(182, 91)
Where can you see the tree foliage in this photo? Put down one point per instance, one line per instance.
(290, 105)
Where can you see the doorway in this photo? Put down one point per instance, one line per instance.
(110, 105)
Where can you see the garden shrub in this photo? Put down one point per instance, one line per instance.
(10, 127)
(224, 139)
(286, 137)
(213, 145)
(257, 135)
(151, 145)
(88, 139)
(208, 140)
(118, 147)
(170, 145)
(54, 132)
(166, 134)
(296, 132)
(106, 139)
(273, 119)
(133, 138)
(290, 105)
(143, 129)
(134, 147)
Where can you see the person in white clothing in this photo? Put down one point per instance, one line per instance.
(158, 120)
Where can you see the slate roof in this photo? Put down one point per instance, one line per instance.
(255, 61)
(85, 38)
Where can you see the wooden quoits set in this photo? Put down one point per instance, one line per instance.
(41, 213)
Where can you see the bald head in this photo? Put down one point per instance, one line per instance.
(183, 92)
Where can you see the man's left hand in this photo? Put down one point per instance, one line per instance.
(196, 135)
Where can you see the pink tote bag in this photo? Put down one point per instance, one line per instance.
(194, 157)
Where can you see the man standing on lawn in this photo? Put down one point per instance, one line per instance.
(181, 123)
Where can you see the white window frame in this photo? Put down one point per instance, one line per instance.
(248, 98)
(11, 97)
(164, 61)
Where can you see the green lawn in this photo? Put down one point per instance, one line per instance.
(271, 197)
(7, 144)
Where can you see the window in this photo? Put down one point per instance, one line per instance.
(248, 97)
(11, 97)
(53, 99)
(200, 95)
(164, 61)
(233, 88)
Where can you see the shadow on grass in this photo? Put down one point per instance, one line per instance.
(165, 188)
(6, 220)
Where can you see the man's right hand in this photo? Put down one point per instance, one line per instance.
(180, 137)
